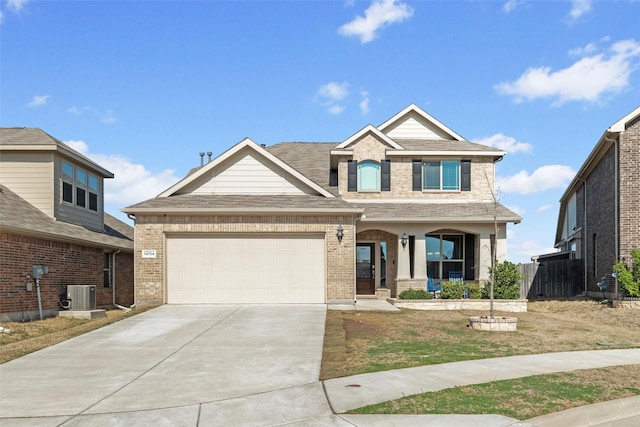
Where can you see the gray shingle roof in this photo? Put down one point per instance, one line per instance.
(442, 145)
(35, 137)
(309, 158)
(239, 203)
(437, 212)
(19, 216)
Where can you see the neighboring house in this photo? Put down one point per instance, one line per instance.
(51, 214)
(599, 218)
(324, 222)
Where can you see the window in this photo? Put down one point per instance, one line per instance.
(94, 183)
(80, 187)
(368, 176)
(441, 175)
(445, 253)
(106, 271)
(67, 182)
(383, 264)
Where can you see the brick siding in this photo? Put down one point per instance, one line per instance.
(629, 189)
(370, 148)
(69, 264)
(150, 231)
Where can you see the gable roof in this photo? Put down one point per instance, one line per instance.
(259, 151)
(20, 217)
(34, 139)
(414, 109)
(364, 131)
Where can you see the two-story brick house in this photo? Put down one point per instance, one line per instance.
(599, 219)
(52, 214)
(320, 222)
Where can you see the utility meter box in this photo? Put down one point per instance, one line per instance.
(83, 297)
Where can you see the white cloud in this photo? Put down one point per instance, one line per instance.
(543, 178)
(589, 79)
(505, 143)
(38, 101)
(517, 209)
(584, 50)
(332, 93)
(364, 102)
(511, 5)
(378, 15)
(578, 8)
(16, 6)
(543, 208)
(132, 183)
(522, 251)
(106, 117)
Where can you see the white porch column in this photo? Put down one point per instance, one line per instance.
(501, 243)
(484, 264)
(403, 260)
(420, 259)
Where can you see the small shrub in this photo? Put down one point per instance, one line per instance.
(453, 290)
(475, 291)
(506, 284)
(415, 294)
(629, 279)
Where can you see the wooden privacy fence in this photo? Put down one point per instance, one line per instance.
(552, 279)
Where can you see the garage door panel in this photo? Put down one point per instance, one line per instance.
(251, 269)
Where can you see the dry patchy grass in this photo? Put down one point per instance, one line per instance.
(360, 342)
(32, 336)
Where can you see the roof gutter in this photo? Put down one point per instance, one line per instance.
(229, 211)
(66, 238)
(433, 220)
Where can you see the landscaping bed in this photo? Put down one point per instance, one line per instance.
(507, 305)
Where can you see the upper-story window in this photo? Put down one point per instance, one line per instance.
(442, 175)
(80, 187)
(368, 176)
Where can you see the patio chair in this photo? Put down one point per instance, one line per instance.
(433, 287)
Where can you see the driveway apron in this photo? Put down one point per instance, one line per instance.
(176, 365)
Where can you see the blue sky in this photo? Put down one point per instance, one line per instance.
(143, 87)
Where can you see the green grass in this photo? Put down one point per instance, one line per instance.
(521, 398)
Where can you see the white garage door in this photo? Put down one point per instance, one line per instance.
(246, 269)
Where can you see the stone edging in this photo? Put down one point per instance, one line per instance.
(507, 305)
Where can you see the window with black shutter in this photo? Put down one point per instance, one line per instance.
(385, 177)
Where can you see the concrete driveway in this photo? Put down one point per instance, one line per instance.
(178, 365)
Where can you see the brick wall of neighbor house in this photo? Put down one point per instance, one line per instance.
(600, 205)
(629, 189)
(150, 231)
(392, 254)
(369, 148)
(69, 264)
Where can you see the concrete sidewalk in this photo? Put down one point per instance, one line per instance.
(356, 391)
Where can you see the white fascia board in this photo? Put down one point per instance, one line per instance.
(433, 220)
(247, 142)
(414, 108)
(375, 131)
(341, 152)
(229, 211)
(448, 153)
(620, 125)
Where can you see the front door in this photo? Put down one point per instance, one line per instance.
(365, 269)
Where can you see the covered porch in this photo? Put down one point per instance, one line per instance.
(400, 253)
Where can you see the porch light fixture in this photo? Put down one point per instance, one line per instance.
(340, 233)
(404, 239)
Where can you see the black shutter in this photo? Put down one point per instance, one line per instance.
(333, 178)
(469, 256)
(417, 175)
(352, 175)
(385, 175)
(466, 175)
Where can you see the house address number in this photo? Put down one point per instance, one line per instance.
(148, 253)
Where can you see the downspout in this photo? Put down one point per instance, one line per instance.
(617, 206)
(584, 239)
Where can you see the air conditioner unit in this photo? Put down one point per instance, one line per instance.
(83, 297)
